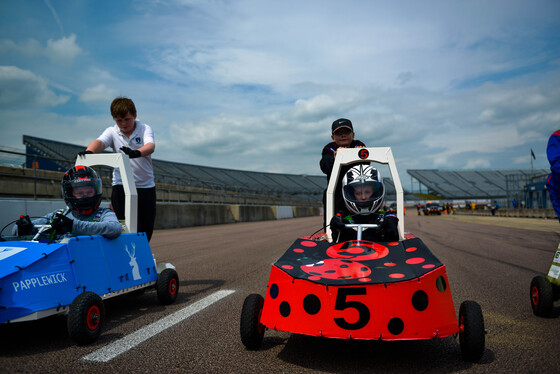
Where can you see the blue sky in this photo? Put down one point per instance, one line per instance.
(255, 85)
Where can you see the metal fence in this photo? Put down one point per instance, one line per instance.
(529, 190)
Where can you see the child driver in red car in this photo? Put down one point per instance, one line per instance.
(363, 193)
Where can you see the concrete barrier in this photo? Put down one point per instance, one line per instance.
(282, 212)
(169, 215)
(524, 213)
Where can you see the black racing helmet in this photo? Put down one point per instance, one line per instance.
(363, 190)
(82, 190)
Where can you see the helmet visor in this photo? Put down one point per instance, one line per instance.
(363, 192)
(82, 188)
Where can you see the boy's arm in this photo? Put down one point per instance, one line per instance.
(149, 143)
(327, 161)
(109, 226)
(147, 149)
(96, 146)
(553, 152)
(359, 144)
(103, 141)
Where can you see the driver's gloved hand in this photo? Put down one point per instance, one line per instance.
(85, 152)
(132, 153)
(62, 224)
(390, 228)
(336, 223)
(24, 225)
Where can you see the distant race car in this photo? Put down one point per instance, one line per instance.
(40, 277)
(433, 209)
(360, 289)
(545, 290)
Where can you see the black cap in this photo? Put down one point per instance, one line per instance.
(341, 123)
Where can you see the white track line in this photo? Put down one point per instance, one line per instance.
(122, 345)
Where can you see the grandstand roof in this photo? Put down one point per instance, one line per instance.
(200, 176)
(472, 184)
(450, 184)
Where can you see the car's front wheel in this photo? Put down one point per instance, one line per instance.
(251, 328)
(167, 286)
(471, 331)
(86, 318)
(542, 296)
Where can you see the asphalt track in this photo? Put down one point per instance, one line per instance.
(489, 259)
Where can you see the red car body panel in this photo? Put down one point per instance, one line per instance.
(360, 290)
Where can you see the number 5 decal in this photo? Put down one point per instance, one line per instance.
(342, 303)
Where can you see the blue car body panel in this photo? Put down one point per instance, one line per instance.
(39, 276)
(35, 277)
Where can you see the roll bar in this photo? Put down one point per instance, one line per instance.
(120, 161)
(380, 155)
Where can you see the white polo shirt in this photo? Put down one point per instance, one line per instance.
(142, 168)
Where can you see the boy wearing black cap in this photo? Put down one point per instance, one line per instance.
(343, 137)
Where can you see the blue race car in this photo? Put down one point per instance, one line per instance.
(40, 277)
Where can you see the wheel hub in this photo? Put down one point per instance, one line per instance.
(535, 296)
(93, 318)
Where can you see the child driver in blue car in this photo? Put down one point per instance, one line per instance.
(82, 190)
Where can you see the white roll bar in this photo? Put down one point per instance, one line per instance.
(120, 161)
(381, 155)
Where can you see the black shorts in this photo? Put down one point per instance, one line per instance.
(146, 207)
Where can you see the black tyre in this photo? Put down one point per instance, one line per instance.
(542, 296)
(167, 286)
(555, 291)
(251, 329)
(471, 331)
(86, 318)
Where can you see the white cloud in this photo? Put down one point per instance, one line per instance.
(22, 88)
(28, 47)
(99, 93)
(478, 163)
(63, 50)
(279, 43)
(326, 105)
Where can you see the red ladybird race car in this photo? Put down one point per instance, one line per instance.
(359, 289)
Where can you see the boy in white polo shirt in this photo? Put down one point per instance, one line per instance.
(135, 139)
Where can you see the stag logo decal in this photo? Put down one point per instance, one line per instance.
(133, 263)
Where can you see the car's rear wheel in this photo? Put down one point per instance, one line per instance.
(555, 291)
(471, 331)
(251, 328)
(167, 286)
(542, 296)
(86, 318)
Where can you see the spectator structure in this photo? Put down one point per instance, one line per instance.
(504, 185)
(58, 156)
(54, 155)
